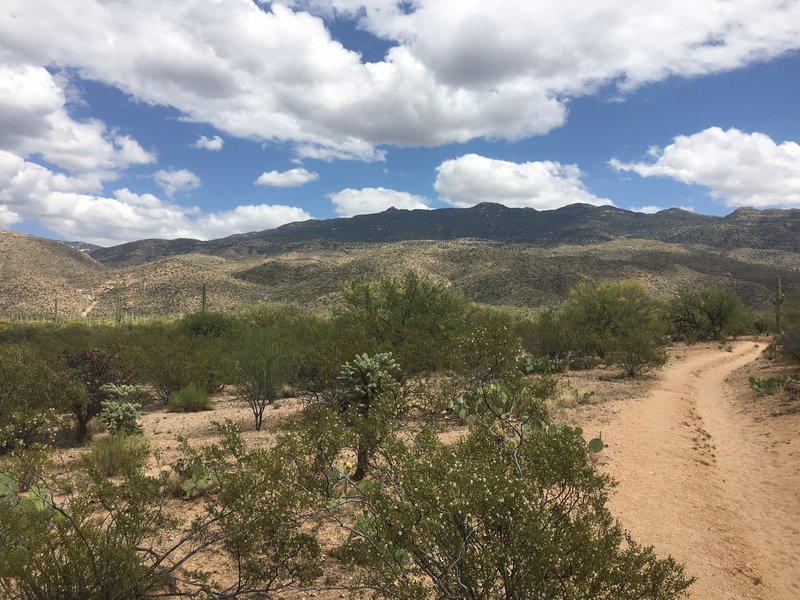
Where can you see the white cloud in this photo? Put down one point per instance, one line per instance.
(253, 217)
(349, 202)
(34, 121)
(69, 207)
(287, 179)
(472, 179)
(649, 209)
(456, 69)
(740, 169)
(205, 143)
(174, 181)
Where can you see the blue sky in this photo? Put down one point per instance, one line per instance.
(122, 121)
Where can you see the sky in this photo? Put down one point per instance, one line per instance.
(123, 120)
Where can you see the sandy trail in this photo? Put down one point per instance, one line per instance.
(697, 481)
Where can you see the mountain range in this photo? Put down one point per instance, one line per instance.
(490, 253)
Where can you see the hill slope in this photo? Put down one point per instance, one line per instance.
(35, 272)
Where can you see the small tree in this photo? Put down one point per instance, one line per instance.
(412, 317)
(262, 369)
(708, 314)
(92, 370)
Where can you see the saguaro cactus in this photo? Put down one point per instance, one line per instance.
(779, 298)
(204, 299)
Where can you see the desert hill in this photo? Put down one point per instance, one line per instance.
(35, 272)
(489, 253)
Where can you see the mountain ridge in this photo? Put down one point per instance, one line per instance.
(579, 224)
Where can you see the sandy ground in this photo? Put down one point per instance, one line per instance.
(708, 473)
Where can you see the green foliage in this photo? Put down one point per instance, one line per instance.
(490, 517)
(788, 342)
(518, 403)
(411, 317)
(31, 392)
(488, 348)
(638, 352)
(551, 335)
(541, 365)
(710, 314)
(206, 324)
(116, 454)
(92, 370)
(170, 360)
(105, 539)
(190, 399)
(616, 322)
(602, 314)
(770, 385)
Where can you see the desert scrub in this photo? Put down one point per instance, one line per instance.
(500, 517)
(189, 399)
(116, 453)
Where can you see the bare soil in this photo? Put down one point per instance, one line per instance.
(708, 472)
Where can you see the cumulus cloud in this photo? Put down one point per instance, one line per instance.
(740, 169)
(34, 121)
(649, 209)
(349, 202)
(472, 179)
(205, 143)
(174, 181)
(287, 179)
(70, 207)
(454, 71)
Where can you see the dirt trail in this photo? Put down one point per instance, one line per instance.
(697, 481)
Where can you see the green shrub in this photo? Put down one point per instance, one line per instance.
(92, 370)
(31, 396)
(710, 314)
(490, 517)
(169, 361)
(190, 399)
(115, 454)
(413, 318)
(638, 353)
(207, 324)
(263, 367)
(108, 538)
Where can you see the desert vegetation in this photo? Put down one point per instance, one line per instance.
(421, 454)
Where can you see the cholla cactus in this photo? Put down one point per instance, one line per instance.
(366, 377)
(121, 418)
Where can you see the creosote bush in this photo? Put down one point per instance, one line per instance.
(108, 540)
(494, 516)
